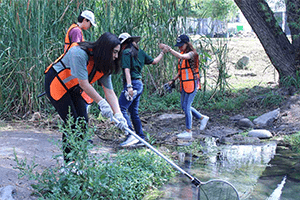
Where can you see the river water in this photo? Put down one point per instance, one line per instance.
(258, 172)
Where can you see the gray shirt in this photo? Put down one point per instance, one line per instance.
(76, 59)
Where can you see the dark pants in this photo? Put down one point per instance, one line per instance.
(72, 102)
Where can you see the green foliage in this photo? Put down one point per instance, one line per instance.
(220, 51)
(156, 102)
(151, 138)
(213, 53)
(195, 148)
(220, 9)
(290, 81)
(244, 133)
(33, 36)
(252, 117)
(229, 101)
(294, 141)
(271, 99)
(128, 175)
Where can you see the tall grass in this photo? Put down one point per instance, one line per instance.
(33, 36)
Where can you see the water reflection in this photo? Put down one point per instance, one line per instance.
(247, 167)
(241, 165)
(236, 156)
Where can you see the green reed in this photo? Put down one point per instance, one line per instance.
(155, 22)
(33, 31)
(31, 37)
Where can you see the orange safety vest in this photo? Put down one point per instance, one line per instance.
(67, 38)
(189, 75)
(64, 81)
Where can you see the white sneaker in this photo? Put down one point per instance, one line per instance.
(130, 141)
(203, 122)
(185, 135)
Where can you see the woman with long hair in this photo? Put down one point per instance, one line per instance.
(188, 75)
(133, 60)
(68, 81)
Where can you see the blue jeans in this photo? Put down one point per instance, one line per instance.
(189, 111)
(132, 107)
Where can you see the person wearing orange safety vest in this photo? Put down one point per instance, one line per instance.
(189, 77)
(86, 19)
(68, 81)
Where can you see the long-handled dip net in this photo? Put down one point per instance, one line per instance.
(214, 189)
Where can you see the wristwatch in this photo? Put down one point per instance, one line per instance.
(129, 86)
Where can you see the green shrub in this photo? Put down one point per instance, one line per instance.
(128, 175)
(294, 141)
(271, 99)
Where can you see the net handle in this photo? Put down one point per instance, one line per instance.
(194, 180)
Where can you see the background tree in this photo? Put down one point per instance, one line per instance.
(283, 53)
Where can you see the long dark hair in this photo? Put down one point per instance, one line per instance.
(102, 52)
(190, 48)
(134, 48)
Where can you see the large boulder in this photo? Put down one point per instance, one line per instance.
(267, 119)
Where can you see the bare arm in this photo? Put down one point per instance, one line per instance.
(127, 76)
(109, 94)
(175, 53)
(186, 56)
(90, 90)
(158, 58)
(112, 99)
(160, 55)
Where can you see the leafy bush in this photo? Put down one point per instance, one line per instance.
(294, 141)
(271, 99)
(156, 102)
(128, 175)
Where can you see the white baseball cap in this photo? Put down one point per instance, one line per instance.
(125, 36)
(90, 16)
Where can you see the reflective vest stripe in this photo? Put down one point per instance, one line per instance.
(68, 79)
(186, 74)
(189, 78)
(64, 80)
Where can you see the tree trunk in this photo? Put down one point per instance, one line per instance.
(293, 19)
(277, 46)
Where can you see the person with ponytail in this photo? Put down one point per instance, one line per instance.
(189, 78)
(132, 61)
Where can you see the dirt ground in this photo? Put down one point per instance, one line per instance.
(30, 139)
